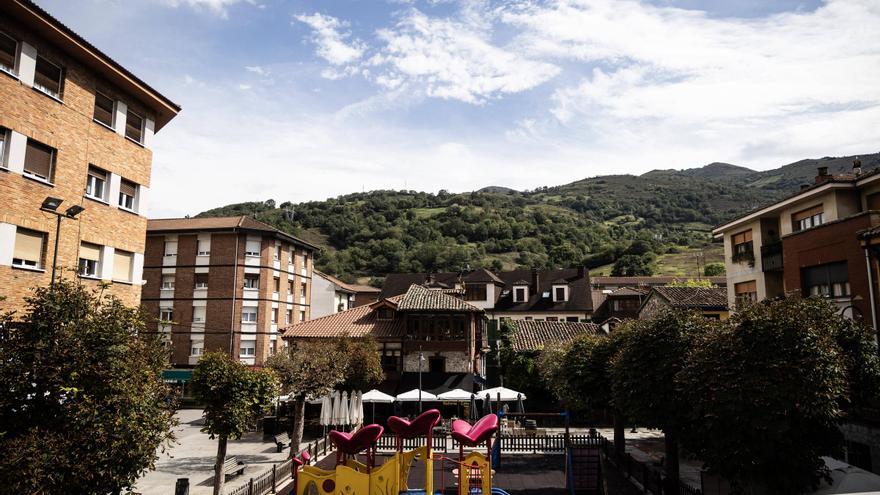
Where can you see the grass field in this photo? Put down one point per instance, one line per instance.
(686, 264)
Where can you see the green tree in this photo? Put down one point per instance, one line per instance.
(643, 374)
(83, 407)
(714, 269)
(362, 366)
(769, 391)
(631, 265)
(234, 396)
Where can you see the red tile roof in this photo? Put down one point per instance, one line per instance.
(240, 222)
(357, 322)
(531, 335)
(418, 298)
(694, 297)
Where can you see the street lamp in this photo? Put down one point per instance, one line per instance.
(51, 205)
(421, 358)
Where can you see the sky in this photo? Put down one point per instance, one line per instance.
(300, 100)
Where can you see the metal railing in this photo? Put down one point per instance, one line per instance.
(270, 480)
(652, 479)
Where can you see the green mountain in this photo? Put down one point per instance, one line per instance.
(636, 222)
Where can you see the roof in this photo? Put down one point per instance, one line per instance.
(482, 275)
(693, 297)
(599, 281)
(356, 322)
(340, 285)
(361, 288)
(629, 292)
(418, 298)
(50, 28)
(240, 222)
(529, 335)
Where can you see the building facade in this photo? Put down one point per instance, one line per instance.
(330, 295)
(810, 243)
(226, 284)
(76, 130)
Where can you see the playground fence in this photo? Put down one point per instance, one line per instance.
(268, 481)
(650, 477)
(388, 443)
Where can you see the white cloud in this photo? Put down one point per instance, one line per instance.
(218, 7)
(256, 69)
(331, 36)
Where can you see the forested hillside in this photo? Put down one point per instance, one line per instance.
(625, 219)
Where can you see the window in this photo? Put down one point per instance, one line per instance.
(302, 315)
(89, 260)
(290, 287)
(745, 292)
(96, 184)
(170, 248)
(204, 247)
(519, 294)
(248, 315)
(3, 137)
(829, 280)
(199, 313)
(437, 364)
(127, 192)
(196, 349)
(288, 318)
(122, 265)
(134, 127)
(475, 292)
(48, 78)
(391, 359)
(8, 53)
(743, 248)
(166, 314)
(248, 348)
(277, 284)
(251, 281)
(559, 294)
(571, 318)
(252, 248)
(807, 219)
(274, 315)
(168, 281)
(290, 256)
(104, 109)
(39, 160)
(28, 248)
(302, 289)
(201, 281)
(552, 318)
(277, 252)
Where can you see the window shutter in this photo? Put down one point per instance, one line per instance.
(98, 173)
(48, 76)
(807, 213)
(90, 252)
(134, 126)
(28, 245)
(38, 160)
(103, 109)
(742, 237)
(746, 287)
(8, 47)
(122, 266)
(128, 188)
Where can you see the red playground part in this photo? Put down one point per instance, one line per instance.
(348, 444)
(474, 435)
(422, 425)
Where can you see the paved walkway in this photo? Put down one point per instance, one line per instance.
(193, 457)
(647, 446)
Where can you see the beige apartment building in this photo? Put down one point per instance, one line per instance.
(226, 283)
(76, 132)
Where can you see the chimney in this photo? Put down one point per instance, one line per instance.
(822, 176)
(535, 280)
(857, 166)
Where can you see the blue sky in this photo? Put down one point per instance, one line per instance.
(304, 100)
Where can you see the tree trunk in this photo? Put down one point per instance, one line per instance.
(671, 443)
(296, 434)
(219, 477)
(619, 435)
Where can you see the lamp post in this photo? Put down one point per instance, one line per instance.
(421, 358)
(50, 205)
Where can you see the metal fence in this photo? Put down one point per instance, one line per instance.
(388, 443)
(270, 480)
(651, 478)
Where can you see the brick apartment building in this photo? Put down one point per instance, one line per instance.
(816, 242)
(78, 127)
(225, 283)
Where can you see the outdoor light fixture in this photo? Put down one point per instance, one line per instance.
(50, 204)
(73, 211)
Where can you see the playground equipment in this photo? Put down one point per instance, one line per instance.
(351, 477)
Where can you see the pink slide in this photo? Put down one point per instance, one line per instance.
(421, 426)
(474, 435)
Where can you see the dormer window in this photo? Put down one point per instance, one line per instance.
(520, 293)
(475, 292)
(384, 314)
(560, 293)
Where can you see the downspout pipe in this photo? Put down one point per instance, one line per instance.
(234, 294)
(871, 292)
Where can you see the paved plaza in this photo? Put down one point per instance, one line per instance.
(193, 455)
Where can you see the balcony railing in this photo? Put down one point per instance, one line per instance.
(771, 257)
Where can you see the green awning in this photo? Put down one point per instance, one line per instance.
(177, 376)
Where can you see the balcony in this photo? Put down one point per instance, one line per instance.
(771, 257)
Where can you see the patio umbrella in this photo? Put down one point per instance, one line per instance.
(506, 393)
(356, 413)
(374, 396)
(473, 412)
(326, 411)
(457, 395)
(413, 396)
(343, 410)
(487, 405)
(520, 408)
(335, 416)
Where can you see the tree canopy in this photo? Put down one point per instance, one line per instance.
(83, 406)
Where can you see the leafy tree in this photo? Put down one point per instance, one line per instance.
(643, 374)
(769, 391)
(234, 396)
(714, 269)
(519, 368)
(691, 283)
(362, 366)
(83, 408)
(631, 265)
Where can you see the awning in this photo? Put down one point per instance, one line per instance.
(177, 376)
(413, 396)
(506, 394)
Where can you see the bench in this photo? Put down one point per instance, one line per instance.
(282, 441)
(233, 467)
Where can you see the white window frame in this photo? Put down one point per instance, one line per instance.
(91, 181)
(274, 315)
(247, 279)
(196, 348)
(32, 265)
(92, 264)
(249, 310)
(127, 198)
(251, 253)
(200, 285)
(162, 314)
(525, 291)
(200, 322)
(564, 293)
(203, 252)
(165, 248)
(247, 352)
(165, 284)
(48, 92)
(52, 164)
(4, 149)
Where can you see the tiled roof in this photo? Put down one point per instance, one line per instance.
(482, 275)
(418, 298)
(694, 297)
(536, 335)
(629, 291)
(341, 286)
(363, 289)
(357, 322)
(242, 222)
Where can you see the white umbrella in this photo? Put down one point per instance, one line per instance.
(457, 395)
(413, 396)
(360, 407)
(353, 415)
(326, 411)
(376, 396)
(506, 393)
(343, 410)
(335, 418)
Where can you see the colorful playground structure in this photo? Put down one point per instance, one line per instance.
(472, 470)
